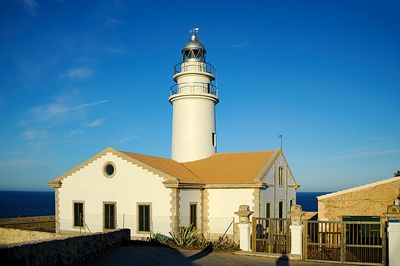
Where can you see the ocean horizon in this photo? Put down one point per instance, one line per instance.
(40, 203)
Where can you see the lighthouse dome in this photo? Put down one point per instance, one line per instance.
(194, 50)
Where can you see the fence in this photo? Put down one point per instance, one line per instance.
(271, 235)
(216, 226)
(345, 241)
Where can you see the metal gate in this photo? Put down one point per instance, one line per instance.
(343, 241)
(271, 235)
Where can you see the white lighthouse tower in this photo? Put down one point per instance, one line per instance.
(193, 99)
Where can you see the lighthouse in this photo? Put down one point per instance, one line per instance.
(193, 99)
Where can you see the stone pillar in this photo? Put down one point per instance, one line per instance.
(244, 227)
(296, 229)
(174, 218)
(393, 216)
(394, 242)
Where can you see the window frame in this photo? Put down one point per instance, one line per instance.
(267, 209)
(104, 215)
(195, 214)
(73, 213)
(105, 172)
(138, 204)
(214, 139)
(280, 209)
(280, 176)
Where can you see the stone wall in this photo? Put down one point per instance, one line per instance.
(12, 236)
(369, 200)
(70, 251)
(35, 223)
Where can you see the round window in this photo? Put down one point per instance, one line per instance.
(109, 169)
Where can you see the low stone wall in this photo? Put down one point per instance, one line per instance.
(12, 236)
(69, 251)
(35, 223)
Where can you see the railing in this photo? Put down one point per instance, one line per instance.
(194, 87)
(194, 66)
(271, 235)
(345, 241)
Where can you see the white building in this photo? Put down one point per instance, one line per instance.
(118, 189)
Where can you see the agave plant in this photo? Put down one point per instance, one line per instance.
(158, 238)
(186, 236)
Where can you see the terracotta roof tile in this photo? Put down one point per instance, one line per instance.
(221, 168)
(168, 166)
(231, 168)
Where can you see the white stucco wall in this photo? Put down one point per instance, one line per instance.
(276, 193)
(186, 197)
(130, 184)
(193, 115)
(193, 122)
(223, 203)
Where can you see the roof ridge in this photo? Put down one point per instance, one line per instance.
(192, 172)
(360, 187)
(167, 159)
(230, 152)
(146, 155)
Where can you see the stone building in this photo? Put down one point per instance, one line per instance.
(197, 186)
(367, 202)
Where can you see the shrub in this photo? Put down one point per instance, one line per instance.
(158, 238)
(225, 244)
(186, 236)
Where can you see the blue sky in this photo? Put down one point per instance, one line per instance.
(79, 76)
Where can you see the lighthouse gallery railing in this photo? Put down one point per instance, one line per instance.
(194, 87)
(194, 66)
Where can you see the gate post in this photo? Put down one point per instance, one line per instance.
(393, 230)
(244, 227)
(296, 229)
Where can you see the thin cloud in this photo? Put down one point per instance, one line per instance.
(126, 139)
(29, 5)
(241, 45)
(118, 50)
(95, 123)
(59, 110)
(74, 133)
(35, 134)
(20, 163)
(77, 73)
(112, 22)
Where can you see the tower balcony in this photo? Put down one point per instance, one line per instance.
(195, 66)
(194, 88)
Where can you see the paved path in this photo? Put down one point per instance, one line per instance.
(147, 255)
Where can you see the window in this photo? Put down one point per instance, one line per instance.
(109, 215)
(78, 214)
(291, 204)
(144, 218)
(213, 139)
(193, 214)
(268, 210)
(280, 175)
(280, 209)
(109, 169)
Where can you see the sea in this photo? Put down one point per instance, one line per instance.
(32, 203)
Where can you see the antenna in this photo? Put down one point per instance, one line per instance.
(281, 137)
